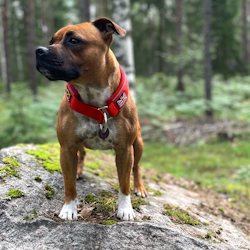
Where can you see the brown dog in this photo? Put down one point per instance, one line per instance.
(81, 55)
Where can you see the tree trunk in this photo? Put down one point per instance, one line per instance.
(180, 85)
(29, 11)
(106, 8)
(244, 35)
(85, 11)
(98, 8)
(5, 45)
(207, 57)
(123, 46)
(18, 52)
(160, 36)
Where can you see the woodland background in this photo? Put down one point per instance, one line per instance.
(188, 64)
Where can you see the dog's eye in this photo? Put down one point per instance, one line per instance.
(74, 41)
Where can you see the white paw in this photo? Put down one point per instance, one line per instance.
(69, 211)
(125, 210)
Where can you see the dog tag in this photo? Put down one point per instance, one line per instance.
(104, 135)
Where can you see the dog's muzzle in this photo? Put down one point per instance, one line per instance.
(40, 51)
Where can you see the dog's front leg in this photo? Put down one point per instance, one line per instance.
(68, 160)
(124, 163)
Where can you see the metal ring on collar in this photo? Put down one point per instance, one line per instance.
(104, 128)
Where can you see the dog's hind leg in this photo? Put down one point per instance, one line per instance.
(139, 188)
(81, 155)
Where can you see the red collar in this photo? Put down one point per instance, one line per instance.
(114, 104)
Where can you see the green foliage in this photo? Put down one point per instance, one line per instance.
(158, 100)
(225, 32)
(25, 120)
(15, 193)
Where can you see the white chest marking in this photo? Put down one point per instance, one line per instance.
(88, 129)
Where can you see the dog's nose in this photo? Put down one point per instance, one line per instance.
(41, 51)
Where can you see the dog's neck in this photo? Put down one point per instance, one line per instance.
(106, 83)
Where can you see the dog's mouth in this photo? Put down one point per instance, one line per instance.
(53, 67)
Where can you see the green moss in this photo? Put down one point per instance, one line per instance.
(38, 179)
(21, 145)
(108, 222)
(95, 164)
(137, 201)
(157, 192)
(11, 168)
(221, 209)
(26, 217)
(103, 205)
(49, 191)
(181, 216)
(10, 161)
(94, 152)
(35, 213)
(105, 193)
(146, 218)
(89, 198)
(208, 236)
(15, 193)
(9, 171)
(95, 172)
(48, 156)
(106, 204)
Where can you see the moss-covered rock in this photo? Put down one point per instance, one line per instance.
(15, 193)
(11, 169)
(49, 191)
(48, 155)
(181, 216)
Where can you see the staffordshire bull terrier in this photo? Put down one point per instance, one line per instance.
(97, 112)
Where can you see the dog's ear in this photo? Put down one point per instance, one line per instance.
(108, 27)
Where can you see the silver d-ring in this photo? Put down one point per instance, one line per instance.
(104, 128)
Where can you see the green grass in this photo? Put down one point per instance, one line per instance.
(216, 164)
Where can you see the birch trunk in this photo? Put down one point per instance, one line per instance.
(4, 45)
(123, 46)
(207, 57)
(244, 35)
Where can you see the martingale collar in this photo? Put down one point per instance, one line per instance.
(114, 104)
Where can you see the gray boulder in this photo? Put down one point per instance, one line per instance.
(31, 222)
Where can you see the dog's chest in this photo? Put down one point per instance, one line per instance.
(88, 129)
